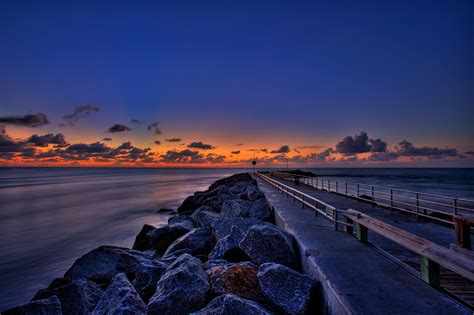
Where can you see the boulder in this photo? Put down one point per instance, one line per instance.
(77, 297)
(238, 278)
(173, 255)
(228, 247)
(49, 291)
(50, 306)
(239, 189)
(141, 241)
(290, 292)
(236, 208)
(181, 219)
(147, 276)
(204, 217)
(268, 243)
(230, 304)
(232, 179)
(104, 262)
(161, 238)
(120, 298)
(260, 209)
(197, 240)
(252, 193)
(182, 289)
(189, 205)
(223, 227)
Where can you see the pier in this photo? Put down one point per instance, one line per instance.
(371, 255)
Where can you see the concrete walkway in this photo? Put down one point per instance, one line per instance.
(355, 279)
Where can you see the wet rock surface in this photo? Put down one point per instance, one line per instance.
(220, 255)
(77, 297)
(230, 304)
(285, 289)
(267, 243)
(120, 298)
(182, 289)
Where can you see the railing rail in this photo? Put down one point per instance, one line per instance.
(321, 207)
(436, 207)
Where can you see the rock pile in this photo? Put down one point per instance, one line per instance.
(220, 255)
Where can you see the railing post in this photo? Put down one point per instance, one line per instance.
(348, 228)
(429, 272)
(346, 188)
(357, 190)
(337, 186)
(336, 225)
(373, 194)
(316, 207)
(329, 185)
(391, 200)
(417, 205)
(362, 233)
(302, 202)
(455, 206)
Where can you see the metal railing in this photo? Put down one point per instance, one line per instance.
(435, 207)
(321, 207)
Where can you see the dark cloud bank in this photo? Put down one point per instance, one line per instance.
(30, 120)
(200, 145)
(79, 113)
(118, 128)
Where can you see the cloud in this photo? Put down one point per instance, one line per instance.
(310, 147)
(408, 149)
(154, 128)
(136, 121)
(157, 142)
(360, 144)
(200, 145)
(264, 150)
(9, 147)
(383, 156)
(282, 149)
(321, 156)
(30, 120)
(80, 112)
(235, 152)
(43, 141)
(118, 128)
(107, 139)
(190, 157)
(239, 144)
(173, 140)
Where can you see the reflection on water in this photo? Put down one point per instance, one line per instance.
(49, 217)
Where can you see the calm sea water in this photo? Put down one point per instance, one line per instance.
(51, 216)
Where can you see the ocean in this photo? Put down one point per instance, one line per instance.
(51, 216)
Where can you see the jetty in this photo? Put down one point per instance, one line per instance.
(377, 249)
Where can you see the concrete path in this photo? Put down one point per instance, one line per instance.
(355, 279)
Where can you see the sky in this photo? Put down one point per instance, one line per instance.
(219, 83)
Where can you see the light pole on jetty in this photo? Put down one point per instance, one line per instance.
(254, 162)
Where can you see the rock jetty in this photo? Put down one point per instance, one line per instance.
(221, 254)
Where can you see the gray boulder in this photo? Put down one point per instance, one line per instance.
(182, 289)
(252, 193)
(50, 306)
(268, 243)
(223, 227)
(236, 208)
(288, 291)
(228, 247)
(232, 179)
(230, 304)
(185, 219)
(197, 240)
(120, 298)
(147, 276)
(104, 262)
(77, 297)
(204, 217)
(161, 238)
(238, 278)
(260, 209)
(171, 256)
(141, 241)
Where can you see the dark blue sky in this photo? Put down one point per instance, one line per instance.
(263, 69)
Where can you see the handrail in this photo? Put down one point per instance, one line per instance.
(417, 203)
(431, 254)
(330, 212)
